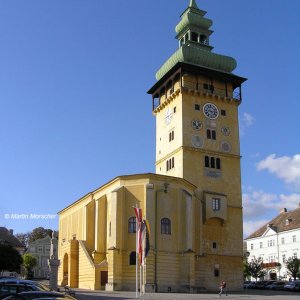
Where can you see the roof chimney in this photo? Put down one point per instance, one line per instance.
(283, 210)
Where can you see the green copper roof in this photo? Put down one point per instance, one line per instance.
(200, 57)
(193, 4)
(196, 52)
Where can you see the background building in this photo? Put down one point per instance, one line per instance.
(193, 203)
(7, 237)
(40, 248)
(275, 242)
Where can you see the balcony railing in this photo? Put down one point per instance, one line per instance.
(211, 90)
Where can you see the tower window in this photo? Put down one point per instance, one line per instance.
(211, 134)
(132, 225)
(212, 162)
(197, 107)
(132, 258)
(165, 226)
(223, 112)
(206, 161)
(194, 37)
(203, 39)
(214, 245)
(170, 164)
(174, 109)
(208, 87)
(171, 135)
(216, 204)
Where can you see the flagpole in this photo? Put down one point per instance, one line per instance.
(136, 258)
(136, 267)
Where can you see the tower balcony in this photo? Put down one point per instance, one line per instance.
(210, 89)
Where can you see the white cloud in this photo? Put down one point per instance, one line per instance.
(285, 167)
(251, 226)
(245, 121)
(260, 207)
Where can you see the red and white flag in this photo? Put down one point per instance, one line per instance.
(139, 219)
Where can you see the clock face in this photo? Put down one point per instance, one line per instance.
(196, 124)
(197, 141)
(225, 130)
(168, 116)
(210, 111)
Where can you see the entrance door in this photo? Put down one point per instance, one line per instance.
(104, 278)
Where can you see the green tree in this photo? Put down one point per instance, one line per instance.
(38, 233)
(256, 268)
(246, 265)
(29, 262)
(10, 259)
(293, 267)
(23, 238)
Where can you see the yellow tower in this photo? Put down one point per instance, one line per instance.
(195, 101)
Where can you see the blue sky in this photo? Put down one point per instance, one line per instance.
(75, 113)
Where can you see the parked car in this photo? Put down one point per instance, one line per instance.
(266, 284)
(292, 286)
(277, 285)
(249, 285)
(38, 295)
(40, 287)
(12, 287)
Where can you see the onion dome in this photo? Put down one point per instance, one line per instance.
(193, 32)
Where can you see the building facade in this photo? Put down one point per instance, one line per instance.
(276, 242)
(7, 237)
(193, 203)
(40, 248)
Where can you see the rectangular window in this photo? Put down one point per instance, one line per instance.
(251, 246)
(174, 109)
(208, 87)
(283, 258)
(171, 135)
(223, 112)
(197, 107)
(211, 134)
(282, 240)
(294, 239)
(260, 245)
(216, 203)
(214, 245)
(170, 164)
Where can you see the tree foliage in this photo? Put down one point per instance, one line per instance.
(35, 234)
(255, 268)
(29, 262)
(10, 259)
(293, 267)
(39, 233)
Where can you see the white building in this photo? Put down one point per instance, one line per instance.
(41, 250)
(275, 242)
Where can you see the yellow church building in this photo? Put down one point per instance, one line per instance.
(193, 203)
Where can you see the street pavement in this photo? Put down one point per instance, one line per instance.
(250, 295)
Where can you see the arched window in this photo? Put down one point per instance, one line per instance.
(132, 258)
(132, 225)
(165, 226)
